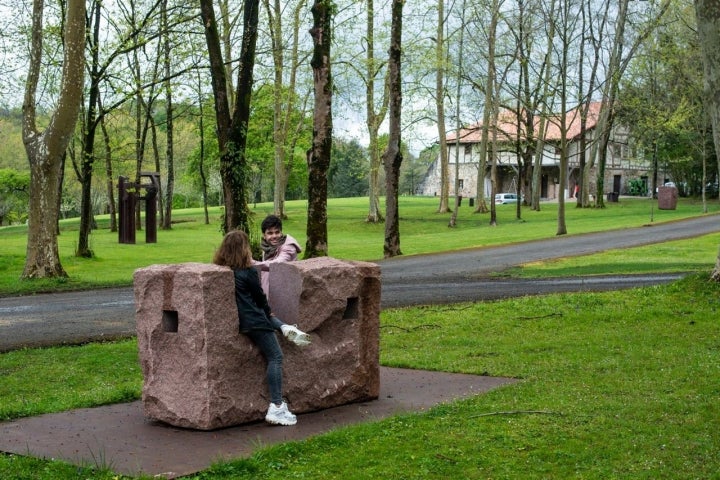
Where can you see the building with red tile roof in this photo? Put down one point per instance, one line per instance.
(622, 163)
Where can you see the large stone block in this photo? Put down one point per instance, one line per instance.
(667, 198)
(338, 302)
(200, 372)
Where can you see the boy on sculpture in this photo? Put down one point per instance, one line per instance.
(276, 247)
(257, 321)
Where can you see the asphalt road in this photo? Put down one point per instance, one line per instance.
(77, 317)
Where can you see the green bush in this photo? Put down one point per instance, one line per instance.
(637, 187)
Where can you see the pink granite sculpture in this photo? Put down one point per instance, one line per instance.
(667, 198)
(200, 372)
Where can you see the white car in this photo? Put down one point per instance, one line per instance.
(503, 198)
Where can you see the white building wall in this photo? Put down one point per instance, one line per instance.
(468, 170)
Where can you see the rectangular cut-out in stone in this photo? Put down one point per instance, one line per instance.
(351, 310)
(170, 321)
(207, 375)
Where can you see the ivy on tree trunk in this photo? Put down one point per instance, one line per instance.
(232, 127)
(392, 158)
(318, 157)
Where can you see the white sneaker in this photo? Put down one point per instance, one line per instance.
(296, 336)
(280, 415)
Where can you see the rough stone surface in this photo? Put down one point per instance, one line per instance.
(667, 198)
(200, 372)
(338, 303)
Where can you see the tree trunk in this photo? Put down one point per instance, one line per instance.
(201, 163)
(61, 181)
(596, 37)
(233, 163)
(279, 127)
(444, 206)
(46, 149)
(565, 35)
(318, 157)
(374, 215)
(708, 20)
(158, 195)
(485, 135)
(493, 152)
(392, 157)
(109, 173)
(373, 119)
(88, 143)
(286, 100)
(142, 125)
(232, 130)
(526, 111)
(219, 78)
(169, 148)
(544, 112)
(489, 121)
(228, 22)
(458, 197)
(618, 63)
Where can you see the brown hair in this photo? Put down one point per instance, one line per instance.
(234, 251)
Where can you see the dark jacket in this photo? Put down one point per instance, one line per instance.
(253, 309)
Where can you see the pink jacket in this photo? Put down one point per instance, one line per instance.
(287, 252)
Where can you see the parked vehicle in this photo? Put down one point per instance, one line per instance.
(503, 198)
(711, 189)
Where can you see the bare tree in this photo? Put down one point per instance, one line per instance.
(392, 157)
(318, 157)
(620, 57)
(45, 149)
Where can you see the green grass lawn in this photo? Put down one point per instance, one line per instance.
(612, 385)
(620, 385)
(422, 230)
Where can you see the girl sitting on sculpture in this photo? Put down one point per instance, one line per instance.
(257, 321)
